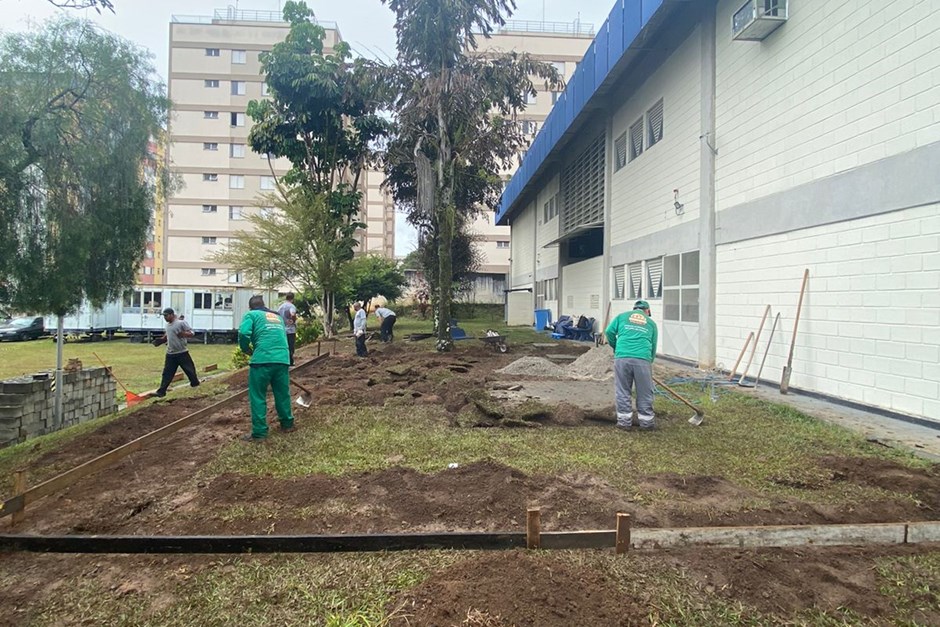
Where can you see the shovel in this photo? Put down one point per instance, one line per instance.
(788, 369)
(306, 396)
(129, 397)
(699, 416)
(756, 382)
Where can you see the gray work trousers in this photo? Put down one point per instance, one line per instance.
(626, 373)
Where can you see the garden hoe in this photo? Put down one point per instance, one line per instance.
(699, 416)
(306, 396)
(788, 369)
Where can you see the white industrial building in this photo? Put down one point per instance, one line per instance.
(707, 152)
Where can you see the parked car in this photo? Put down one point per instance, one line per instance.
(28, 328)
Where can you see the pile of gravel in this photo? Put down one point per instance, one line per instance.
(596, 364)
(535, 367)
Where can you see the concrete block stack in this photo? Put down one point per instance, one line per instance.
(27, 404)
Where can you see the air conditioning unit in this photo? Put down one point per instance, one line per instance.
(757, 19)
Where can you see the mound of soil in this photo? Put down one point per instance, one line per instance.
(482, 496)
(922, 485)
(516, 589)
(785, 582)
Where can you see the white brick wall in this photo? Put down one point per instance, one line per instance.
(870, 326)
(547, 231)
(522, 247)
(582, 281)
(841, 84)
(642, 191)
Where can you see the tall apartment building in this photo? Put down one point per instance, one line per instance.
(562, 44)
(214, 72)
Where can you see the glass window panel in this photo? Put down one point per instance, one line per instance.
(671, 305)
(690, 268)
(690, 305)
(671, 271)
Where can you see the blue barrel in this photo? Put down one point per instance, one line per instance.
(543, 318)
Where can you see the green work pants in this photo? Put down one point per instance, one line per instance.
(259, 377)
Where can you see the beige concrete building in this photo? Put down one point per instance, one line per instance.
(214, 72)
(562, 44)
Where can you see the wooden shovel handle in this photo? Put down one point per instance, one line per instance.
(301, 387)
(676, 394)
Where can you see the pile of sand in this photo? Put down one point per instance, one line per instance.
(596, 364)
(535, 367)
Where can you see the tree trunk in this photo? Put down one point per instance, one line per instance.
(59, 374)
(445, 278)
(328, 314)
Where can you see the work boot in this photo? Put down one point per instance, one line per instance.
(289, 429)
(624, 426)
(251, 438)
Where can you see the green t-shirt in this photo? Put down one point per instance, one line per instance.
(263, 332)
(633, 335)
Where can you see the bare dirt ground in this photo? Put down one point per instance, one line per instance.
(155, 491)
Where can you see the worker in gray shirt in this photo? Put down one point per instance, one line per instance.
(288, 312)
(177, 354)
(387, 316)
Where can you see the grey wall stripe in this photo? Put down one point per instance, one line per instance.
(910, 179)
(681, 238)
(546, 272)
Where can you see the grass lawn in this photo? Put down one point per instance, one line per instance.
(138, 366)
(476, 328)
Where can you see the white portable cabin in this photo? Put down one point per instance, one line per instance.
(211, 312)
(89, 320)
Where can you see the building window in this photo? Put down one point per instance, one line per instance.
(556, 96)
(620, 152)
(236, 181)
(502, 244)
(147, 270)
(208, 272)
(239, 57)
(239, 88)
(209, 241)
(210, 115)
(619, 274)
(210, 208)
(550, 209)
(202, 300)
(237, 151)
(235, 213)
(636, 139)
(582, 188)
(210, 146)
(238, 119)
(148, 253)
(211, 83)
(531, 98)
(211, 177)
(680, 287)
(234, 278)
(267, 183)
(529, 127)
(560, 66)
(655, 124)
(635, 272)
(212, 52)
(654, 278)
(265, 90)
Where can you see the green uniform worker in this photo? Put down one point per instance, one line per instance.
(262, 336)
(633, 336)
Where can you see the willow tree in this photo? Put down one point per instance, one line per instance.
(456, 127)
(322, 117)
(80, 108)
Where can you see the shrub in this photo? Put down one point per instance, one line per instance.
(308, 331)
(239, 359)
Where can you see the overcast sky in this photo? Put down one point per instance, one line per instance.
(366, 24)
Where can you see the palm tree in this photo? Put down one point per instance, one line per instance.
(456, 125)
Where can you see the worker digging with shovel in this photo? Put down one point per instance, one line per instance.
(633, 336)
(263, 336)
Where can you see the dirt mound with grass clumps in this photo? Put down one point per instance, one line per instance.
(922, 485)
(479, 496)
(516, 589)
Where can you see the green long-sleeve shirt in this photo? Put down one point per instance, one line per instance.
(262, 332)
(633, 335)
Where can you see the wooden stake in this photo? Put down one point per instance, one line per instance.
(318, 348)
(19, 487)
(211, 367)
(533, 528)
(623, 533)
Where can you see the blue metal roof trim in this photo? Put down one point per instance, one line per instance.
(627, 20)
(600, 55)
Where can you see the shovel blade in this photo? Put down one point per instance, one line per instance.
(303, 400)
(697, 419)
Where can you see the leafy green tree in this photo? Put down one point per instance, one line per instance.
(322, 117)
(369, 276)
(80, 108)
(456, 126)
(97, 5)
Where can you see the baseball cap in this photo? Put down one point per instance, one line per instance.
(641, 304)
(168, 311)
